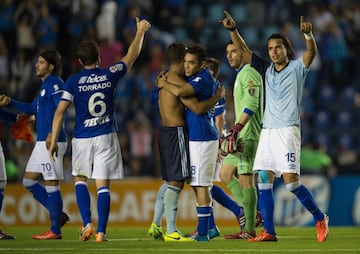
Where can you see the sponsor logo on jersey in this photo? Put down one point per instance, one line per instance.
(96, 121)
(56, 87)
(92, 79)
(42, 93)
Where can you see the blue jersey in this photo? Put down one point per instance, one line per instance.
(44, 106)
(202, 127)
(220, 108)
(93, 93)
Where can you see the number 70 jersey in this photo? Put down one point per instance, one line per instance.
(93, 93)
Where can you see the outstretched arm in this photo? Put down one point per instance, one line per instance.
(176, 86)
(229, 24)
(311, 48)
(142, 26)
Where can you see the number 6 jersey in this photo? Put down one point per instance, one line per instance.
(93, 93)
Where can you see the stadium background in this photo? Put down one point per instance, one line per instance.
(330, 107)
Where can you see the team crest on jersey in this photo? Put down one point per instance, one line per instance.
(112, 69)
(42, 93)
(251, 88)
(119, 67)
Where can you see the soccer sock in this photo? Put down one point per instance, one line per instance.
(38, 191)
(223, 199)
(103, 207)
(235, 188)
(55, 206)
(305, 197)
(171, 199)
(250, 202)
(203, 213)
(83, 201)
(212, 218)
(266, 205)
(159, 204)
(1, 198)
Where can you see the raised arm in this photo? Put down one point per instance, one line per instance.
(229, 24)
(142, 26)
(311, 48)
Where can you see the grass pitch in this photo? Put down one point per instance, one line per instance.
(135, 240)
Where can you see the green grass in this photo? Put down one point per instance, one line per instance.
(135, 240)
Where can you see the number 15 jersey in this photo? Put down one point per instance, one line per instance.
(93, 93)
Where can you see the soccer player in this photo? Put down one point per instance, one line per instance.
(10, 117)
(173, 143)
(48, 69)
(95, 147)
(278, 152)
(248, 105)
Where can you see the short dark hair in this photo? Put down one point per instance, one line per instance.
(53, 57)
(88, 52)
(199, 51)
(286, 42)
(213, 65)
(176, 53)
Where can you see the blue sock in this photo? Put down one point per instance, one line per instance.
(38, 191)
(305, 197)
(103, 207)
(266, 205)
(83, 201)
(212, 219)
(55, 206)
(223, 199)
(159, 204)
(203, 213)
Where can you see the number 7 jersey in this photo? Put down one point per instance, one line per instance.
(93, 93)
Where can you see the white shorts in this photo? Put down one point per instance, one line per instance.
(203, 155)
(217, 169)
(2, 166)
(97, 157)
(40, 162)
(279, 151)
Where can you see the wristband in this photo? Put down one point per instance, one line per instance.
(231, 29)
(309, 36)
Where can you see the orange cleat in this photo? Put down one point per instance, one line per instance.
(48, 235)
(263, 237)
(322, 229)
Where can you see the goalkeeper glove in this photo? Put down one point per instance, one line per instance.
(233, 146)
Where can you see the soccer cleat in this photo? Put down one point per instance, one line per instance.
(4, 236)
(101, 237)
(263, 237)
(176, 237)
(214, 232)
(48, 235)
(201, 238)
(156, 232)
(86, 232)
(322, 229)
(241, 235)
(64, 218)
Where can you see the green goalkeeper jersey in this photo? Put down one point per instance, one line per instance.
(248, 97)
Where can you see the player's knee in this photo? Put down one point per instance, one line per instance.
(28, 182)
(293, 186)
